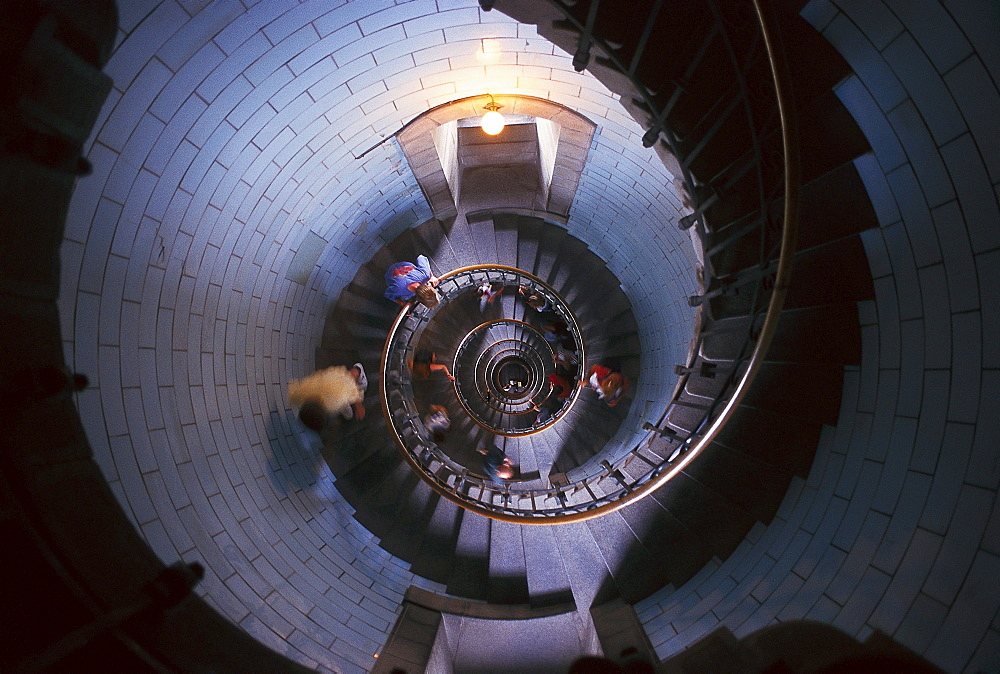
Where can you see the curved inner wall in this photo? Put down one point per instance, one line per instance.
(228, 143)
(895, 530)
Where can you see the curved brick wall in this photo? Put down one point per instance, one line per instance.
(897, 527)
(229, 136)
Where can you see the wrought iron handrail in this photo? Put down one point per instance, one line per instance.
(612, 488)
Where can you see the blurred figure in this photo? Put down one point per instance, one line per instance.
(425, 363)
(437, 423)
(496, 464)
(357, 410)
(487, 293)
(329, 394)
(406, 282)
(565, 360)
(609, 384)
(534, 300)
(553, 402)
(561, 386)
(556, 332)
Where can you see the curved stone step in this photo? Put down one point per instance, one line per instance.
(470, 569)
(833, 206)
(720, 524)
(836, 271)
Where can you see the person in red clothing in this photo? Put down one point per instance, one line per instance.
(609, 384)
(424, 363)
(554, 399)
(561, 387)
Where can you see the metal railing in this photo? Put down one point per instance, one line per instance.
(513, 408)
(451, 479)
(641, 471)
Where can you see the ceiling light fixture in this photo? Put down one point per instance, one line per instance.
(492, 122)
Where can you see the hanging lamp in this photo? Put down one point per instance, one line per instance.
(492, 122)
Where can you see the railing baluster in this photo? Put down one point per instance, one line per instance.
(582, 56)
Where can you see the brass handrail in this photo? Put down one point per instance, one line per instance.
(514, 433)
(462, 476)
(789, 128)
(656, 478)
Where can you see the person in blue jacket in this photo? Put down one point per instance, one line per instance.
(405, 281)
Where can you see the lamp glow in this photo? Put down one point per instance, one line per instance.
(492, 122)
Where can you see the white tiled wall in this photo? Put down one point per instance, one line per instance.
(232, 132)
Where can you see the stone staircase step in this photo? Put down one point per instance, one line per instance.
(351, 444)
(775, 439)
(462, 242)
(818, 334)
(589, 576)
(413, 512)
(635, 571)
(506, 233)
(807, 391)
(700, 509)
(679, 552)
(548, 250)
(484, 240)
(843, 259)
(528, 233)
(432, 238)
(574, 262)
(436, 553)
(730, 473)
(548, 583)
(470, 573)
(508, 581)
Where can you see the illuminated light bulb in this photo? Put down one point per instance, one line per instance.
(492, 123)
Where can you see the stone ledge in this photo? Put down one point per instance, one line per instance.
(479, 609)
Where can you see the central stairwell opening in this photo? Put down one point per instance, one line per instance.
(715, 120)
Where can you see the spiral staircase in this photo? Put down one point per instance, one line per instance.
(696, 108)
(708, 508)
